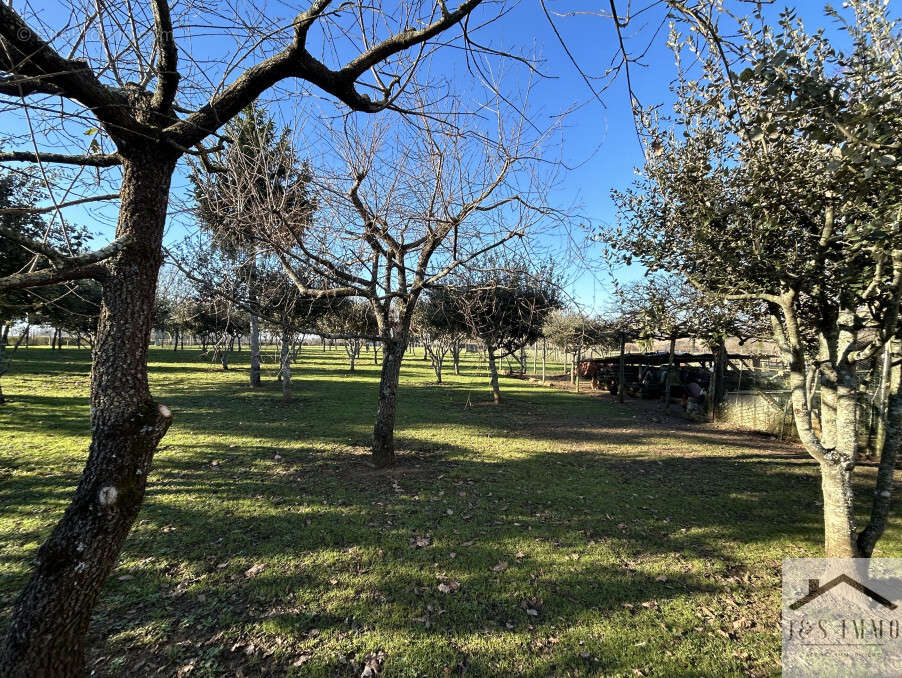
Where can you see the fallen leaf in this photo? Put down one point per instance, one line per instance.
(255, 570)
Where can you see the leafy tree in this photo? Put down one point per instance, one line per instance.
(441, 327)
(258, 168)
(505, 307)
(780, 184)
(352, 321)
(574, 332)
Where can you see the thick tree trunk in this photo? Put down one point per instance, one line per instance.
(384, 430)
(839, 512)
(51, 615)
(285, 365)
(493, 377)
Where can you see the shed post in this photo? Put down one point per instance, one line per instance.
(621, 377)
(543, 360)
(669, 372)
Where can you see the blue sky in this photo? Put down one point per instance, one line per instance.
(599, 141)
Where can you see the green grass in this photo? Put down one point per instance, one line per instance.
(555, 534)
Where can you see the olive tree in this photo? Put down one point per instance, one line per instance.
(505, 306)
(780, 184)
(574, 332)
(441, 327)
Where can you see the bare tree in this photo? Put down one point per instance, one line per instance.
(123, 75)
(395, 213)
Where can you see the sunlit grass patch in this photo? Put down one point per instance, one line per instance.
(555, 534)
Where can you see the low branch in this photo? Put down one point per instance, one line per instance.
(89, 160)
(51, 208)
(69, 268)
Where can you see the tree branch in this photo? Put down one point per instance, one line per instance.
(90, 160)
(71, 268)
(295, 61)
(168, 77)
(23, 53)
(52, 208)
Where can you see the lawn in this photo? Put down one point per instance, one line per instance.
(554, 534)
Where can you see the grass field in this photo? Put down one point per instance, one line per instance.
(555, 534)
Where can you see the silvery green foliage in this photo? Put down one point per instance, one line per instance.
(741, 180)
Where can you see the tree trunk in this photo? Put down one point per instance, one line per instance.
(839, 513)
(51, 615)
(255, 352)
(493, 376)
(22, 336)
(455, 356)
(438, 359)
(352, 348)
(384, 430)
(576, 359)
(285, 365)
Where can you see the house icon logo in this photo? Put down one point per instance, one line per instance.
(815, 590)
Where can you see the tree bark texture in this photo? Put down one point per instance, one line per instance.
(384, 429)
(51, 615)
(493, 377)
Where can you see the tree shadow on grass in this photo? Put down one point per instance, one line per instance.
(616, 534)
(339, 547)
